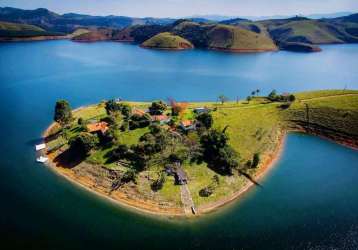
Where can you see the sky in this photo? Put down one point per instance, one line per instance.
(183, 8)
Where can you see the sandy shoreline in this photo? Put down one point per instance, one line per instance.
(122, 199)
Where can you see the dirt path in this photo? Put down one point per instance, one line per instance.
(186, 199)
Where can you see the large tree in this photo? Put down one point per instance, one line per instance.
(217, 153)
(83, 143)
(157, 108)
(63, 113)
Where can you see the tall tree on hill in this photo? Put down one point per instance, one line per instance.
(63, 113)
(223, 99)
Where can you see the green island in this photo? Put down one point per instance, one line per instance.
(184, 158)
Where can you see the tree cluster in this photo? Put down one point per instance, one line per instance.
(157, 108)
(217, 153)
(83, 143)
(274, 97)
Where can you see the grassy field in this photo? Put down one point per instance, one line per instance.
(22, 30)
(167, 40)
(235, 38)
(254, 127)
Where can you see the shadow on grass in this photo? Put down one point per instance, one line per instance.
(69, 159)
(250, 178)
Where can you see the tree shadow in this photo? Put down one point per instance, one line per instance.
(69, 159)
(249, 178)
(34, 141)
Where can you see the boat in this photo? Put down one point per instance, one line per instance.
(41, 159)
(40, 146)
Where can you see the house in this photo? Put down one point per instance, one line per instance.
(162, 119)
(178, 172)
(187, 125)
(97, 127)
(201, 110)
(139, 112)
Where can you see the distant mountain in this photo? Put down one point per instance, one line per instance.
(67, 23)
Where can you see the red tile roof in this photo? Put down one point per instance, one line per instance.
(187, 123)
(136, 111)
(159, 118)
(98, 126)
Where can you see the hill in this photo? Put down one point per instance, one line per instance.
(23, 30)
(223, 37)
(67, 23)
(167, 40)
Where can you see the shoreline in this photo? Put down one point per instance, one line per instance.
(270, 160)
(121, 199)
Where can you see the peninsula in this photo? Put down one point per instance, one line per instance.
(184, 158)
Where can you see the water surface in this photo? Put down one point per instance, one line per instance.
(309, 200)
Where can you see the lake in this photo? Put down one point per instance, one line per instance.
(308, 201)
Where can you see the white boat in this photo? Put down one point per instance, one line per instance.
(42, 159)
(40, 146)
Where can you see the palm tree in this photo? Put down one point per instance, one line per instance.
(257, 92)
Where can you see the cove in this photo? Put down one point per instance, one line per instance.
(309, 199)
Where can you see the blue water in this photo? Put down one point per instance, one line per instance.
(308, 201)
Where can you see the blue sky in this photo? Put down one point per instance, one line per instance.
(180, 8)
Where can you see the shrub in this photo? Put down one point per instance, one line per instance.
(255, 160)
(205, 119)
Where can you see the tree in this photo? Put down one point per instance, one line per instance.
(253, 92)
(158, 183)
(125, 109)
(157, 108)
(83, 143)
(205, 119)
(217, 153)
(257, 92)
(272, 96)
(112, 106)
(121, 152)
(248, 99)
(255, 160)
(291, 98)
(223, 99)
(63, 114)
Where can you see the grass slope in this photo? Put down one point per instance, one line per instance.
(21, 30)
(235, 38)
(167, 40)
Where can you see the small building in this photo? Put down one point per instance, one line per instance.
(201, 110)
(162, 119)
(187, 125)
(139, 112)
(178, 172)
(98, 127)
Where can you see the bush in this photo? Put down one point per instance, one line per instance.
(255, 160)
(205, 119)
(130, 175)
(158, 183)
(121, 152)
